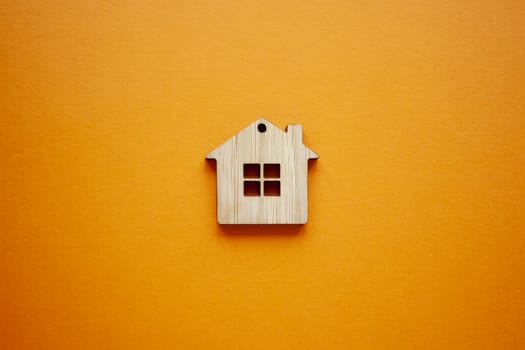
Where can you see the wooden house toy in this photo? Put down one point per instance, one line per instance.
(262, 175)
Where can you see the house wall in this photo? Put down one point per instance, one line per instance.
(272, 146)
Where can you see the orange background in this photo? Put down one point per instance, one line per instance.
(416, 236)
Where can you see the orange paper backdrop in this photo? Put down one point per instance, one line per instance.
(108, 236)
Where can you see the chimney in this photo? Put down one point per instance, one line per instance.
(295, 133)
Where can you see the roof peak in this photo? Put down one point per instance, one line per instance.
(262, 124)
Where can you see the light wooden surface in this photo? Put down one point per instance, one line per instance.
(258, 144)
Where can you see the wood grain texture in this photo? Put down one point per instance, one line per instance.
(268, 145)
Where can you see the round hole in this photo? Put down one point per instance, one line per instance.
(261, 128)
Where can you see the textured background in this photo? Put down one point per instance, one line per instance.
(417, 227)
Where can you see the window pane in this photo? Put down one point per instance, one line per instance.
(252, 188)
(272, 171)
(252, 171)
(272, 188)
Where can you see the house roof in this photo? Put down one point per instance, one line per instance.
(254, 124)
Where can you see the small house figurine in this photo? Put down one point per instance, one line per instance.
(262, 176)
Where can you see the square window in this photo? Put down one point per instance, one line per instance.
(252, 171)
(272, 188)
(272, 171)
(252, 188)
